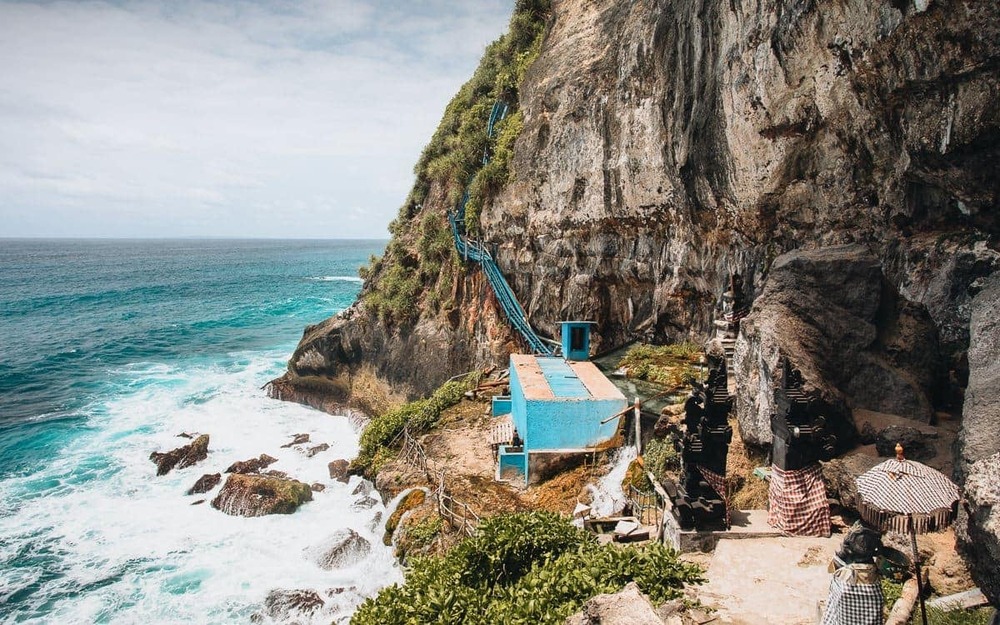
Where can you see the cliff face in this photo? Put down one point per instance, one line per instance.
(667, 145)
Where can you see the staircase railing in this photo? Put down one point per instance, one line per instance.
(472, 250)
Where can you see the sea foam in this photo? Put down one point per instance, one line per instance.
(95, 536)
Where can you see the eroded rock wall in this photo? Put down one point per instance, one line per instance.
(667, 145)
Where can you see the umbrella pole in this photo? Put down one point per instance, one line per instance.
(916, 567)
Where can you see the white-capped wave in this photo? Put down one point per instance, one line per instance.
(117, 543)
(337, 279)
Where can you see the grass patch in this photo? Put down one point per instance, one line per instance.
(523, 568)
(668, 365)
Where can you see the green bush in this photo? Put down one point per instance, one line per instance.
(523, 568)
(419, 416)
(661, 457)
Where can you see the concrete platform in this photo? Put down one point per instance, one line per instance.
(769, 580)
(746, 524)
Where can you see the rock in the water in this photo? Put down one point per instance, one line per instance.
(831, 313)
(317, 487)
(205, 483)
(297, 439)
(317, 449)
(363, 487)
(978, 525)
(916, 444)
(274, 473)
(285, 605)
(340, 550)
(840, 473)
(182, 457)
(338, 470)
(257, 495)
(365, 503)
(253, 465)
(625, 607)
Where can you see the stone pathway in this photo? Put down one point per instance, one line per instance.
(768, 580)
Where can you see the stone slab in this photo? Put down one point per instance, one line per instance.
(769, 580)
(746, 524)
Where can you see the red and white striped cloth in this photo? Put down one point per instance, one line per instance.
(718, 483)
(797, 502)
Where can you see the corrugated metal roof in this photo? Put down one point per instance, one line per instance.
(563, 381)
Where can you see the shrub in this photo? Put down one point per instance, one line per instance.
(669, 365)
(419, 416)
(660, 457)
(523, 568)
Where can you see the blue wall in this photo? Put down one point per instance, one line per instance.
(566, 423)
(583, 351)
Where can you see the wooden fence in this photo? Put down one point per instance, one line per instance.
(458, 513)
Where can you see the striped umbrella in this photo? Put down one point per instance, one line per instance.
(907, 497)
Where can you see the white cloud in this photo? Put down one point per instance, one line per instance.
(181, 118)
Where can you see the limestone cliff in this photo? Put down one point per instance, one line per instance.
(667, 145)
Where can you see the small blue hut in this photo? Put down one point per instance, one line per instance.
(555, 408)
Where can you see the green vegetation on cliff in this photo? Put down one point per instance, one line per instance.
(531, 567)
(420, 262)
(379, 441)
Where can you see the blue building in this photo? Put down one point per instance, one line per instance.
(556, 407)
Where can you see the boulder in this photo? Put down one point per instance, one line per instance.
(317, 487)
(205, 483)
(258, 495)
(978, 525)
(338, 470)
(363, 487)
(978, 466)
(344, 548)
(182, 457)
(840, 473)
(832, 314)
(253, 465)
(317, 449)
(364, 503)
(625, 607)
(286, 605)
(980, 434)
(917, 445)
(297, 439)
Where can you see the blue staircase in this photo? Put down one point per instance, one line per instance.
(476, 252)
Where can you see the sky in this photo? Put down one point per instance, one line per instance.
(243, 118)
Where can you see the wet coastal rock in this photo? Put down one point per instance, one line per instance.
(253, 465)
(286, 605)
(253, 495)
(182, 457)
(205, 483)
(342, 549)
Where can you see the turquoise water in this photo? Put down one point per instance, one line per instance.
(110, 349)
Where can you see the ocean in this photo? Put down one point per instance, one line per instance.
(109, 349)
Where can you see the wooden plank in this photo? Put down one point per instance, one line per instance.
(960, 601)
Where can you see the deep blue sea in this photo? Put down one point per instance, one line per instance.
(111, 348)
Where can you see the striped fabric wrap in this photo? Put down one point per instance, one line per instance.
(904, 496)
(718, 484)
(855, 596)
(797, 502)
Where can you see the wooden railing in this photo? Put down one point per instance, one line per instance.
(456, 512)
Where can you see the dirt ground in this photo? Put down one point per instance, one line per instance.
(459, 448)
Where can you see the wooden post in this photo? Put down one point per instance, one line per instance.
(638, 428)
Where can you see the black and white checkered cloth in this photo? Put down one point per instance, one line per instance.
(855, 596)
(796, 501)
(904, 496)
